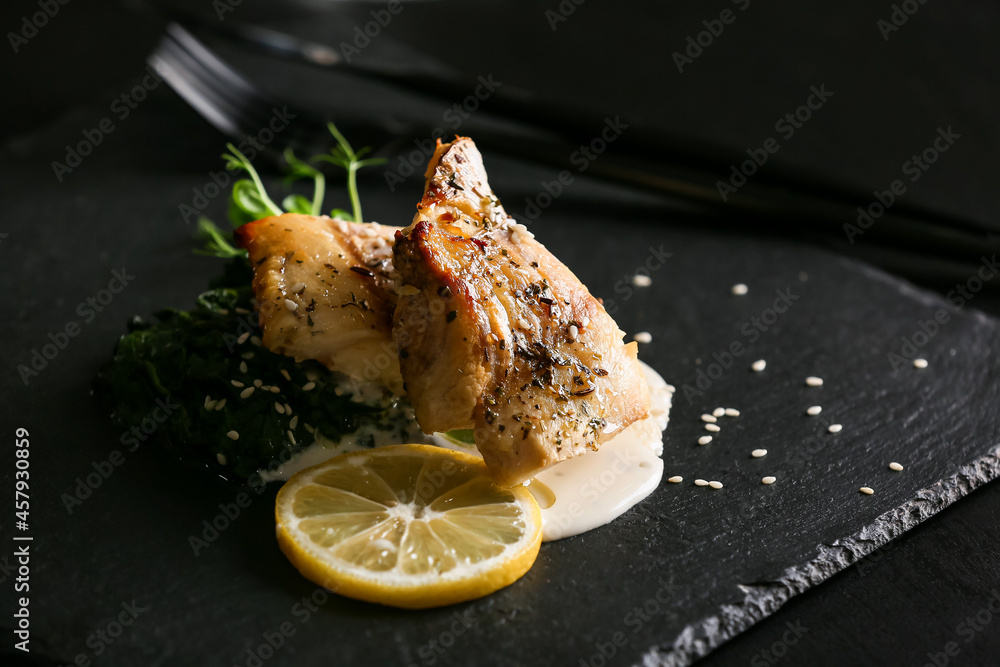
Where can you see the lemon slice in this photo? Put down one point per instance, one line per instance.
(411, 526)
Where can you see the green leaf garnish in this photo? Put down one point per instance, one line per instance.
(217, 244)
(344, 156)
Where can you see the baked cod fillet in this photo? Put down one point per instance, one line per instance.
(497, 335)
(324, 292)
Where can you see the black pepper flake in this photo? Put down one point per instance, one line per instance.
(362, 271)
(600, 371)
(403, 354)
(546, 300)
(452, 314)
(444, 291)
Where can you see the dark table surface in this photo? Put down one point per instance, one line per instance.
(907, 602)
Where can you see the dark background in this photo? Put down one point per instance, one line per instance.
(940, 69)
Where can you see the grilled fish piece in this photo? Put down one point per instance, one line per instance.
(324, 292)
(496, 334)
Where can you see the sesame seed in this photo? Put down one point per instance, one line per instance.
(288, 409)
(920, 363)
(895, 466)
(834, 428)
(641, 280)
(291, 305)
(523, 323)
(243, 367)
(715, 485)
(284, 374)
(709, 418)
(732, 412)
(574, 331)
(221, 458)
(273, 389)
(758, 365)
(236, 383)
(757, 453)
(814, 381)
(770, 479)
(676, 479)
(813, 410)
(294, 422)
(233, 435)
(291, 438)
(739, 289)
(298, 288)
(704, 440)
(308, 428)
(256, 340)
(279, 407)
(221, 404)
(867, 490)
(208, 402)
(718, 412)
(243, 337)
(247, 355)
(515, 237)
(258, 383)
(246, 393)
(700, 482)
(712, 427)
(311, 376)
(643, 337)
(308, 386)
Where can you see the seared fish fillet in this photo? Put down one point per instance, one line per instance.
(496, 334)
(323, 292)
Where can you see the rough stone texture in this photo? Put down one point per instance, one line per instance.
(763, 598)
(718, 559)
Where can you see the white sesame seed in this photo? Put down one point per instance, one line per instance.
(834, 428)
(258, 383)
(208, 402)
(770, 479)
(715, 485)
(758, 365)
(895, 466)
(273, 389)
(284, 374)
(574, 331)
(242, 311)
(308, 386)
(298, 288)
(243, 337)
(709, 418)
(718, 412)
(209, 406)
(704, 440)
(739, 289)
(515, 237)
(920, 363)
(291, 305)
(294, 422)
(233, 435)
(757, 453)
(288, 409)
(867, 490)
(676, 479)
(814, 381)
(643, 337)
(523, 323)
(246, 393)
(714, 428)
(243, 367)
(221, 404)
(236, 383)
(279, 407)
(247, 355)
(221, 458)
(732, 412)
(311, 376)
(256, 340)
(308, 428)
(641, 280)
(700, 482)
(291, 437)
(814, 410)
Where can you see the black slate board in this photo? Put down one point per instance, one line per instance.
(720, 559)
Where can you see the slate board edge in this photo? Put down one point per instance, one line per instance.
(764, 598)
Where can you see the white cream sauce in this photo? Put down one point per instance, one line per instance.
(576, 495)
